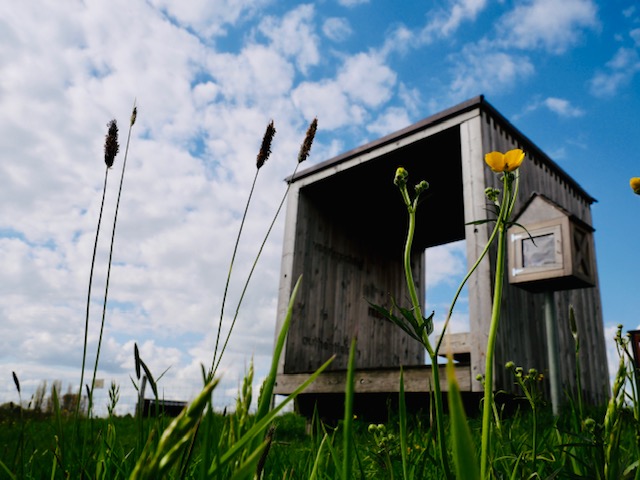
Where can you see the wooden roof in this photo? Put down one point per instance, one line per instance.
(478, 102)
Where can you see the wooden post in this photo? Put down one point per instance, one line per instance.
(635, 348)
(552, 349)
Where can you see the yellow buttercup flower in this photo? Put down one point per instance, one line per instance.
(635, 184)
(504, 162)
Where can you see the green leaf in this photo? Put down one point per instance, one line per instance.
(387, 315)
(428, 322)
(464, 450)
(152, 382)
(481, 222)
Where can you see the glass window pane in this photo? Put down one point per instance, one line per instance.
(539, 254)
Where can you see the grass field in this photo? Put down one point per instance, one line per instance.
(300, 450)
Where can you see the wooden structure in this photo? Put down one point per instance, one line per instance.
(345, 231)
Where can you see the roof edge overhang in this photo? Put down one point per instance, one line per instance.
(479, 103)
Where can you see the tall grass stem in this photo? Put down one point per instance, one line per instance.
(109, 263)
(304, 152)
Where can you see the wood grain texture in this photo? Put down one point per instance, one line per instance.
(344, 233)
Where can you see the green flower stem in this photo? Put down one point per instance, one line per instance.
(505, 210)
(415, 302)
(435, 372)
(462, 284)
(477, 263)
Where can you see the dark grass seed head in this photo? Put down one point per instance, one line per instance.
(308, 141)
(111, 146)
(134, 115)
(265, 148)
(16, 381)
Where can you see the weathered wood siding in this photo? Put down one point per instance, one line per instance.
(522, 327)
(334, 239)
(341, 271)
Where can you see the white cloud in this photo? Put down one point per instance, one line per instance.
(548, 24)
(352, 3)
(255, 74)
(445, 262)
(389, 121)
(635, 35)
(311, 99)
(399, 40)
(365, 78)
(212, 18)
(66, 72)
(337, 29)
(445, 23)
(562, 107)
(618, 73)
(482, 69)
(294, 35)
(441, 23)
(363, 81)
(446, 266)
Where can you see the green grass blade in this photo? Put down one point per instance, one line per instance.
(156, 462)
(347, 431)
(402, 412)
(261, 425)
(264, 402)
(248, 468)
(319, 455)
(464, 450)
(11, 476)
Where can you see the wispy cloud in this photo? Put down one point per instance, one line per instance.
(618, 72)
(445, 264)
(210, 19)
(294, 35)
(441, 23)
(352, 3)
(560, 106)
(547, 24)
(482, 69)
(444, 23)
(336, 29)
(363, 81)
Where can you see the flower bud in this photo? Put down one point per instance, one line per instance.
(492, 194)
(400, 179)
(421, 187)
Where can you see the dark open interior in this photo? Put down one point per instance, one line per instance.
(364, 202)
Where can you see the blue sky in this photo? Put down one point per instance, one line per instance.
(207, 77)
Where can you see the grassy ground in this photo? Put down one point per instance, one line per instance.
(28, 446)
